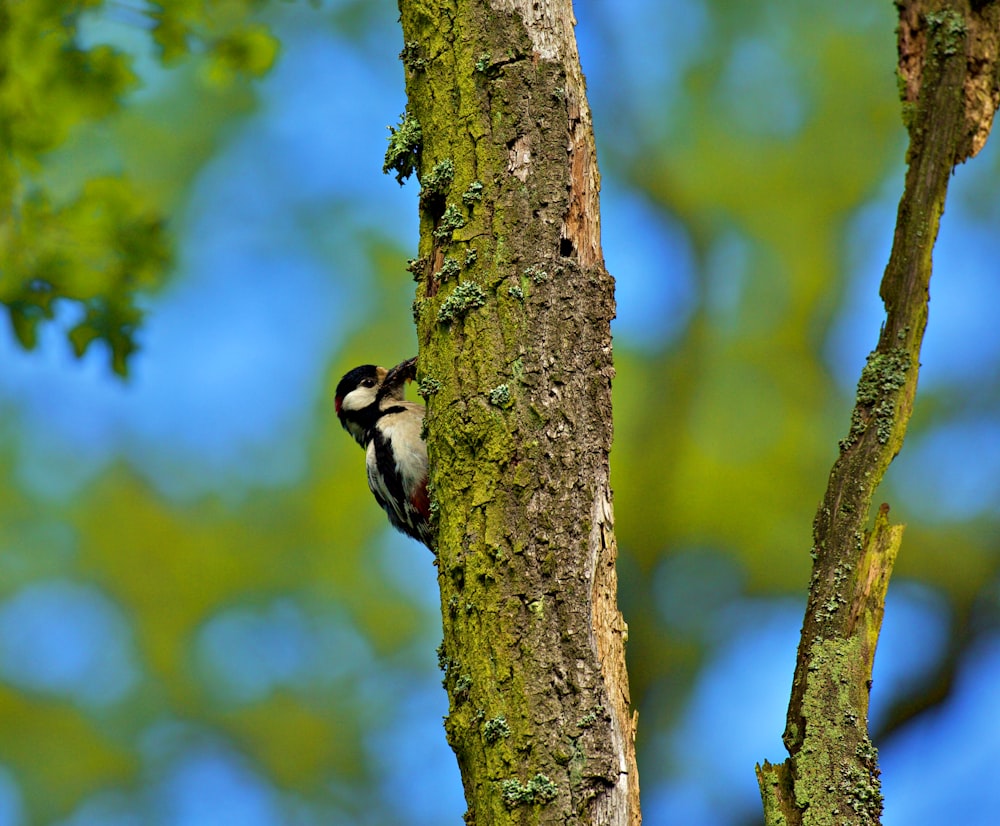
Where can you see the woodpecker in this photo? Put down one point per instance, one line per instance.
(371, 406)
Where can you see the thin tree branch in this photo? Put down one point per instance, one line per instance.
(947, 66)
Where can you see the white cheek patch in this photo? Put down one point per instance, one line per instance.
(359, 398)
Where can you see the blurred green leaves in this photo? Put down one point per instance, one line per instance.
(250, 51)
(220, 28)
(97, 251)
(94, 243)
(725, 437)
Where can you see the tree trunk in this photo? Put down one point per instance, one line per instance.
(947, 65)
(513, 313)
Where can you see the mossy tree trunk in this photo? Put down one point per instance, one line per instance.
(513, 313)
(948, 77)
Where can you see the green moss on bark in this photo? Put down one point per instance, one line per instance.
(831, 779)
(519, 420)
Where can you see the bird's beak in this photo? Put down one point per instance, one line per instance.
(395, 379)
(402, 373)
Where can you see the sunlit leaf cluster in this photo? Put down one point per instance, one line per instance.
(94, 243)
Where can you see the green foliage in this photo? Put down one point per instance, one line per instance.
(731, 425)
(96, 243)
(234, 46)
(174, 567)
(745, 386)
(97, 251)
(250, 51)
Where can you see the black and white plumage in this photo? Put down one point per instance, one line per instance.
(371, 406)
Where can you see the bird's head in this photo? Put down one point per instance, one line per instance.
(366, 391)
(356, 399)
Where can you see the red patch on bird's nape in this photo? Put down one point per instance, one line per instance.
(421, 501)
(337, 402)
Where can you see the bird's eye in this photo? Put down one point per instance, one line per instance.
(368, 382)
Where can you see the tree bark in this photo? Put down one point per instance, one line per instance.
(947, 66)
(513, 315)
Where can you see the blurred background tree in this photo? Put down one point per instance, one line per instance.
(203, 617)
